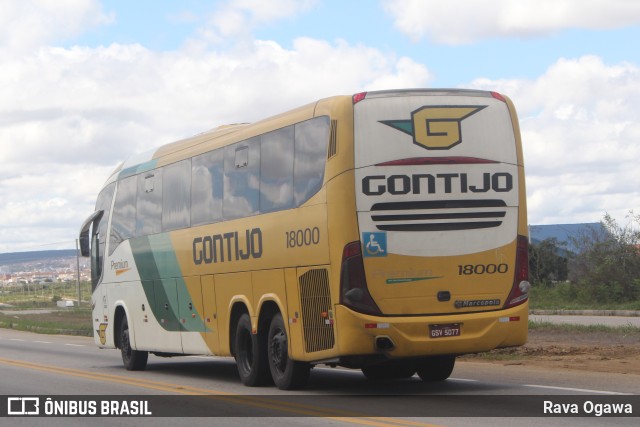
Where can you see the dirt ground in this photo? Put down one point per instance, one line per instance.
(589, 351)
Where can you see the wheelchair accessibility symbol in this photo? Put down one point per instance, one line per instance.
(375, 244)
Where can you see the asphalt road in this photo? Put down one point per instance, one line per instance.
(477, 393)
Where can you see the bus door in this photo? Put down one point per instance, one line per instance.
(99, 315)
(93, 243)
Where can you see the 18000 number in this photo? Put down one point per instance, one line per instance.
(306, 237)
(468, 269)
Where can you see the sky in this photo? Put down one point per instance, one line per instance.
(85, 84)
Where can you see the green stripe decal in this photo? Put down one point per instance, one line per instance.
(410, 279)
(163, 283)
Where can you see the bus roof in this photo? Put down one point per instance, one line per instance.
(227, 134)
(209, 140)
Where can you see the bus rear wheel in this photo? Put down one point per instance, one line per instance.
(133, 360)
(436, 368)
(251, 356)
(287, 374)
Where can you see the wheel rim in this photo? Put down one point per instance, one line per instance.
(278, 350)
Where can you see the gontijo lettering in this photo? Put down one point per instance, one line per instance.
(376, 185)
(231, 246)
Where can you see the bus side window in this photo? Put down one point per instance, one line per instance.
(276, 170)
(311, 141)
(241, 179)
(123, 223)
(149, 203)
(207, 175)
(176, 199)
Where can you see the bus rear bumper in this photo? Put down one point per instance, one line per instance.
(399, 337)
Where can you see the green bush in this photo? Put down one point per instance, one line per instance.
(607, 265)
(603, 271)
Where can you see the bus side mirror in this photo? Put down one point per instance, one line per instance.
(84, 244)
(85, 247)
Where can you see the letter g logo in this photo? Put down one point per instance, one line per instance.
(436, 127)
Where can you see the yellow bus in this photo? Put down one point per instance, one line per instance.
(384, 231)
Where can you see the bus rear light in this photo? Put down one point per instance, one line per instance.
(498, 96)
(376, 326)
(359, 97)
(520, 288)
(353, 283)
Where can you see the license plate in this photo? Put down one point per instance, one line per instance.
(444, 330)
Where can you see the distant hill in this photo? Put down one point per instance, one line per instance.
(564, 233)
(19, 257)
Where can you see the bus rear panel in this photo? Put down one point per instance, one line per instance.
(441, 263)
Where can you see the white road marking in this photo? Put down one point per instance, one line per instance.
(467, 380)
(75, 345)
(43, 342)
(582, 390)
(15, 339)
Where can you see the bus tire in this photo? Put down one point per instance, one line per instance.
(133, 360)
(436, 368)
(389, 371)
(287, 374)
(251, 357)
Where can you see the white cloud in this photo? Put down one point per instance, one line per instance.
(44, 203)
(27, 24)
(69, 115)
(580, 134)
(235, 19)
(468, 21)
(108, 102)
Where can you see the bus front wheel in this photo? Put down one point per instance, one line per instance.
(133, 360)
(436, 368)
(251, 357)
(287, 374)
